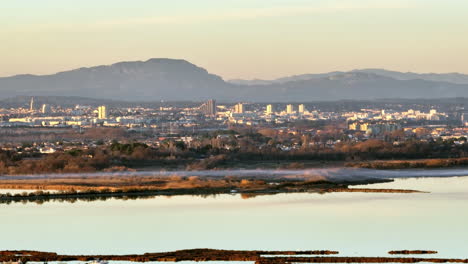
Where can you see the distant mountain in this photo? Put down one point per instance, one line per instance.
(155, 79)
(250, 82)
(437, 77)
(178, 80)
(353, 85)
(456, 78)
(302, 77)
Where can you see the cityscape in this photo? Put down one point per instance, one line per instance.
(188, 121)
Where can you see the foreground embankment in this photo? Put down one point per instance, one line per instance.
(316, 256)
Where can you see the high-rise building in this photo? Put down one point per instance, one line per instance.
(239, 108)
(301, 108)
(208, 108)
(464, 118)
(45, 109)
(269, 109)
(31, 104)
(289, 109)
(102, 112)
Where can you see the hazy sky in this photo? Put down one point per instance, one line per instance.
(236, 38)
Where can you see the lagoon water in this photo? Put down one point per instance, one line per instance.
(356, 224)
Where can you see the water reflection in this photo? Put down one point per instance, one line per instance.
(16, 191)
(126, 197)
(130, 197)
(356, 224)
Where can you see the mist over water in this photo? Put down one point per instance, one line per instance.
(332, 174)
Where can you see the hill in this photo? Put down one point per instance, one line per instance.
(151, 80)
(179, 80)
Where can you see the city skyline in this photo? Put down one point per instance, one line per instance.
(277, 38)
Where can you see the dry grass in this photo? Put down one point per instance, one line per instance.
(126, 183)
(407, 164)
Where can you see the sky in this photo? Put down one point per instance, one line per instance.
(244, 39)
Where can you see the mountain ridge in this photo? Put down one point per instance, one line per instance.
(453, 77)
(179, 80)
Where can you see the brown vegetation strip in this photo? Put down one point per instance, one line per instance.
(365, 190)
(130, 187)
(409, 164)
(220, 255)
(181, 255)
(412, 252)
(281, 260)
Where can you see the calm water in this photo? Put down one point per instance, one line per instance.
(18, 191)
(363, 224)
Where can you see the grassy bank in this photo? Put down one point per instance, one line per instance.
(128, 187)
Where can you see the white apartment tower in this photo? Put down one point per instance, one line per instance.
(269, 109)
(239, 108)
(45, 109)
(208, 108)
(301, 109)
(289, 109)
(102, 112)
(31, 104)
